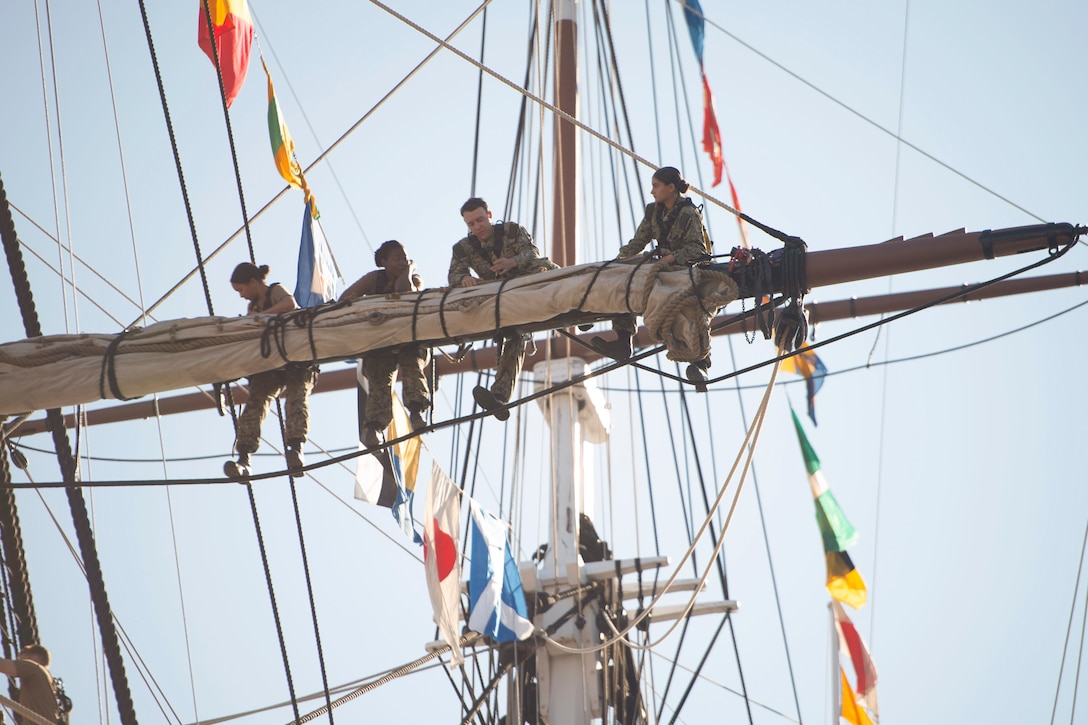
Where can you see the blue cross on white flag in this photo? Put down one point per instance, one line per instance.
(496, 597)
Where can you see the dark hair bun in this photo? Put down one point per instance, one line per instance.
(671, 175)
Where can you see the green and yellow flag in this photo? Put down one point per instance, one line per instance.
(283, 146)
(843, 580)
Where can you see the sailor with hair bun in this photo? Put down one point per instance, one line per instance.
(297, 379)
(674, 221)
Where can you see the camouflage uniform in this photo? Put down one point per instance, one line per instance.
(410, 361)
(297, 379)
(470, 255)
(678, 231)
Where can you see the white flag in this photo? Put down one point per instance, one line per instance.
(442, 561)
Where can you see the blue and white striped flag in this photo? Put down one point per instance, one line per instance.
(317, 276)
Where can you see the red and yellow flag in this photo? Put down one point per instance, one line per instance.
(850, 710)
(233, 33)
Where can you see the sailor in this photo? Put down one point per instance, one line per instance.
(36, 690)
(396, 274)
(296, 378)
(677, 224)
(496, 251)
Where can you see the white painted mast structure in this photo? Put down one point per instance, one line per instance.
(567, 689)
(569, 684)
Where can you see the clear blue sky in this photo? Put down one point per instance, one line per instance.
(961, 470)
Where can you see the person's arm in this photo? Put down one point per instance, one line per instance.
(282, 301)
(459, 275)
(360, 287)
(642, 237)
(525, 252)
(7, 667)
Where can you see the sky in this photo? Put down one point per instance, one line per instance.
(951, 437)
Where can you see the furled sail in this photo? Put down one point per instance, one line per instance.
(61, 370)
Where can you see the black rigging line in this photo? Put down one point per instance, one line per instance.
(272, 598)
(177, 159)
(80, 518)
(306, 572)
(649, 468)
(699, 669)
(479, 105)
(19, 621)
(226, 119)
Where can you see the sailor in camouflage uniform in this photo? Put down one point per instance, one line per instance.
(397, 274)
(677, 225)
(493, 252)
(297, 379)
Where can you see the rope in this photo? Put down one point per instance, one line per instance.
(309, 591)
(17, 580)
(25, 712)
(80, 519)
(749, 445)
(177, 159)
(109, 370)
(386, 678)
(272, 597)
(226, 119)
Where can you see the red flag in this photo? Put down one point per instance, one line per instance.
(712, 137)
(853, 647)
(233, 31)
(736, 205)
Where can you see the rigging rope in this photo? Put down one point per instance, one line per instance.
(748, 444)
(177, 161)
(226, 119)
(78, 506)
(306, 572)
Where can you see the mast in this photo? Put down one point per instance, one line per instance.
(565, 177)
(567, 683)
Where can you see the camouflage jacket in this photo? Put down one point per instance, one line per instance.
(679, 231)
(513, 240)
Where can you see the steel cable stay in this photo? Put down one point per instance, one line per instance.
(714, 683)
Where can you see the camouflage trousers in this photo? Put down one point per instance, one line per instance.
(626, 324)
(410, 362)
(508, 368)
(296, 381)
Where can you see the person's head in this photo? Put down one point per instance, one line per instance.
(393, 256)
(35, 653)
(248, 280)
(667, 185)
(478, 218)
